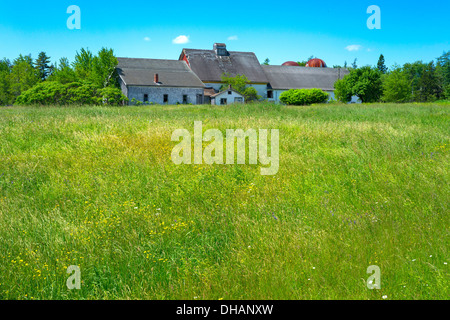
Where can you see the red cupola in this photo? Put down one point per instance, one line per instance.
(316, 63)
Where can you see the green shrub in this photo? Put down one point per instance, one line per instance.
(446, 92)
(55, 93)
(303, 96)
(111, 96)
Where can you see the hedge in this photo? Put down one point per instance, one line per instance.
(55, 93)
(301, 97)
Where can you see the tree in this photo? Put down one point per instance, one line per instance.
(43, 66)
(426, 82)
(250, 94)
(104, 69)
(83, 63)
(63, 72)
(396, 86)
(354, 65)
(365, 83)
(443, 70)
(304, 62)
(429, 85)
(381, 65)
(414, 71)
(5, 71)
(23, 76)
(343, 91)
(266, 62)
(239, 83)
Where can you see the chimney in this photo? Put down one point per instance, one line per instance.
(220, 49)
(156, 78)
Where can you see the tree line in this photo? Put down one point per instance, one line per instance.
(413, 82)
(90, 79)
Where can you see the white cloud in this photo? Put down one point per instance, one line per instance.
(147, 39)
(231, 38)
(353, 47)
(181, 40)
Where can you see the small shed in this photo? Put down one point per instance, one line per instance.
(226, 97)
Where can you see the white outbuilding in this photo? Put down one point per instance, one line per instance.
(226, 97)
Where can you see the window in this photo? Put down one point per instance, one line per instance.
(166, 98)
(145, 97)
(221, 51)
(223, 101)
(229, 92)
(238, 100)
(185, 99)
(269, 94)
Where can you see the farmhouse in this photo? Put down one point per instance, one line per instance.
(159, 81)
(196, 77)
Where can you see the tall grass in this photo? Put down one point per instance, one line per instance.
(95, 187)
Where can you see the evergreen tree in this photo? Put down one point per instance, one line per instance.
(443, 70)
(429, 84)
(43, 66)
(381, 65)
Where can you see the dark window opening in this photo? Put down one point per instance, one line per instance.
(223, 101)
(229, 92)
(185, 99)
(145, 97)
(166, 98)
(221, 51)
(270, 94)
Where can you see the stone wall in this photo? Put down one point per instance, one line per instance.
(174, 94)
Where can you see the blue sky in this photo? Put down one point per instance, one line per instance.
(282, 30)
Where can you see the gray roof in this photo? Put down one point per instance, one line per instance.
(225, 91)
(209, 67)
(171, 73)
(292, 77)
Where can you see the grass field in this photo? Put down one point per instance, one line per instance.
(95, 187)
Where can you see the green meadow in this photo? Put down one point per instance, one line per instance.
(95, 187)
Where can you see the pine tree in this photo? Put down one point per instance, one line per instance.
(43, 66)
(381, 65)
